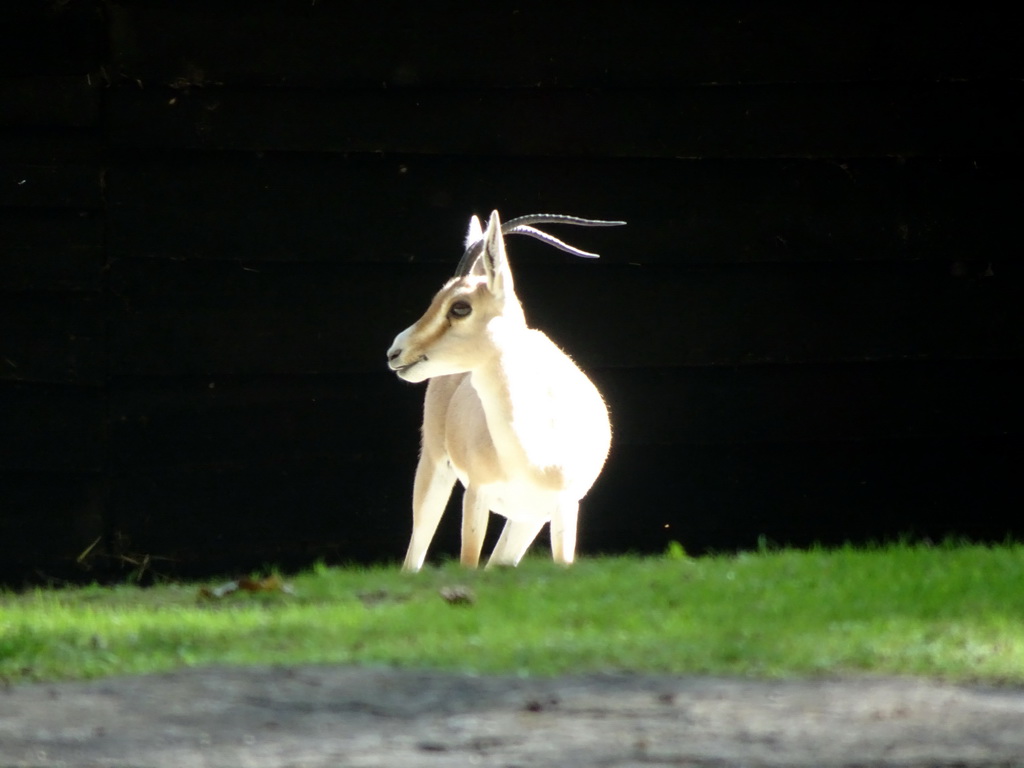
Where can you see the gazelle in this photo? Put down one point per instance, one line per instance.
(506, 412)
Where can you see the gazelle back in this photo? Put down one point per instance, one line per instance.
(507, 413)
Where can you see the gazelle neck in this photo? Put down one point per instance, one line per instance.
(494, 386)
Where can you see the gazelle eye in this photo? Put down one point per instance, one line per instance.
(460, 309)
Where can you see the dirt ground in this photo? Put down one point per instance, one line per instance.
(341, 716)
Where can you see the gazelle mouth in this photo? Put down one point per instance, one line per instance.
(407, 366)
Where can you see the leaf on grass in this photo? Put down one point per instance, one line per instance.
(458, 595)
(268, 584)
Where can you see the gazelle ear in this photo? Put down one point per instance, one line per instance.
(493, 260)
(473, 238)
(475, 233)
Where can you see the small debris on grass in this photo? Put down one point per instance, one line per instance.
(458, 594)
(378, 596)
(268, 584)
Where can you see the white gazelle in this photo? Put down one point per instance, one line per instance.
(506, 413)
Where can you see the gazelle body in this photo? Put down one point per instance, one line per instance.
(506, 412)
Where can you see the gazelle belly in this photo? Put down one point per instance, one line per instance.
(519, 501)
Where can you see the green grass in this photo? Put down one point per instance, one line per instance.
(955, 612)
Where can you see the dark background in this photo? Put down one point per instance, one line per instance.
(215, 216)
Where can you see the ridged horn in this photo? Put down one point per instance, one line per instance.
(523, 225)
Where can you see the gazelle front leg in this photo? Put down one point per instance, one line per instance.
(515, 539)
(430, 492)
(474, 527)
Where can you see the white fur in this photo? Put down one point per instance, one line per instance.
(506, 413)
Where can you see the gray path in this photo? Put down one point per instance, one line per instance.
(339, 716)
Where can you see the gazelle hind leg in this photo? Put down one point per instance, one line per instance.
(563, 531)
(430, 492)
(515, 539)
(474, 527)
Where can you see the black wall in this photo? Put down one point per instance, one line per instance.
(215, 215)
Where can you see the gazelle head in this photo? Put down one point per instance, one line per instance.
(450, 336)
(460, 328)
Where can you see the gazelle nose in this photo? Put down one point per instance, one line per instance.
(393, 354)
